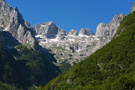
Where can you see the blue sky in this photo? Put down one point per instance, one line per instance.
(71, 14)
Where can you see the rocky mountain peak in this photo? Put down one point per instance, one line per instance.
(47, 30)
(50, 23)
(133, 7)
(5, 8)
(73, 32)
(85, 31)
(27, 24)
(16, 9)
(117, 19)
(108, 30)
(16, 17)
(12, 21)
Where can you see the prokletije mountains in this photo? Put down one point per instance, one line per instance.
(32, 56)
(72, 47)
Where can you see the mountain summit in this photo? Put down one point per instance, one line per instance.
(12, 21)
(133, 7)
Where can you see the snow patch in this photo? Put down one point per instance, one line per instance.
(44, 26)
(81, 35)
(7, 28)
(38, 36)
(71, 36)
(54, 40)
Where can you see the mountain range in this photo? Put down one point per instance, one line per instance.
(32, 56)
(72, 47)
(68, 47)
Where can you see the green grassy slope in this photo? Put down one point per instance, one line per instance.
(110, 68)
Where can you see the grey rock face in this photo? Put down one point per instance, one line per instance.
(86, 31)
(61, 34)
(4, 8)
(28, 38)
(133, 8)
(48, 29)
(73, 32)
(106, 31)
(12, 21)
(27, 24)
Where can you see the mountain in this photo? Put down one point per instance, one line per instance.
(110, 68)
(24, 65)
(72, 47)
(32, 56)
(12, 21)
(86, 31)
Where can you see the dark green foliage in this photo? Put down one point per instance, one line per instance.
(10, 69)
(25, 68)
(40, 69)
(110, 68)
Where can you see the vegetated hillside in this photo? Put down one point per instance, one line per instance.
(110, 68)
(8, 69)
(24, 68)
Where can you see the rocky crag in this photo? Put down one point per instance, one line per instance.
(12, 21)
(72, 47)
(133, 8)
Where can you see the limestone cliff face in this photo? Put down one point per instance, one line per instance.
(12, 21)
(105, 32)
(71, 47)
(109, 29)
(73, 32)
(48, 29)
(133, 8)
(85, 31)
